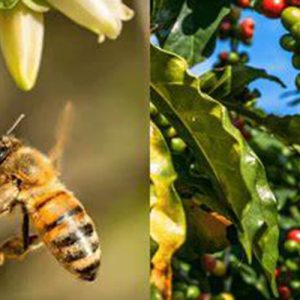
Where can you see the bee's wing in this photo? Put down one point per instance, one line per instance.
(62, 133)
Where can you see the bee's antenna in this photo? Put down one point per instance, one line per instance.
(15, 125)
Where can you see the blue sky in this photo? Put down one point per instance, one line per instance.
(266, 53)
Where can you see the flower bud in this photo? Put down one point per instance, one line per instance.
(104, 17)
(21, 41)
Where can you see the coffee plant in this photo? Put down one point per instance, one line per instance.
(224, 175)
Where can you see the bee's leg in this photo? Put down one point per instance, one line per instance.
(25, 227)
(18, 247)
(62, 134)
(8, 194)
(13, 248)
(25, 224)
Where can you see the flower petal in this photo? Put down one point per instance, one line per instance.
(21, 41)
(104, 17)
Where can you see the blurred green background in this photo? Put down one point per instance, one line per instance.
(105, 163)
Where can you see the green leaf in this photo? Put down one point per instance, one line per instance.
(164, 14)
(287, 128)
(231, 81)
(173, 68)
(234, 168)
(244, 75)
(250, 276)
(194, 31)
(8, 4)
(217, 83)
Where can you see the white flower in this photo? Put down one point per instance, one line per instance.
(21, 41)
(104, 17)
(22, 30)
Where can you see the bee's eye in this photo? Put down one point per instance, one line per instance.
(4, 151)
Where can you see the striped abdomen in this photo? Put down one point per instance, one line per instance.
(68, 232)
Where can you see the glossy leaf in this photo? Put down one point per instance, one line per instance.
(250, 276)
(195, 29)
(164, 14)
(235, 170)
(230, 81)
(287, 128)
(225, 84)
(167, 219)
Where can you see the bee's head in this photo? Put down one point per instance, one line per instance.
(8, 143)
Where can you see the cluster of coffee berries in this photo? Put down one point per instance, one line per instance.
(216, 268)
(237, 32)
(185, 287)
(232, 28)
(213, 266)
(289, 12)
(287, 273)
(186, 283)
(231, 58)
(240, 124)
(177, 144)
(290, 18)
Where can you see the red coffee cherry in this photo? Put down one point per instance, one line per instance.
(284, 292)
(247, 28)
(246, 134)
(223, 56)
(225, 27)
(294, 235)
(273, 8)
(209, 262)
(243, 3)
(205, 296)
(239, 123)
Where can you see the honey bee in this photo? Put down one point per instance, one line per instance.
(30, 179)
